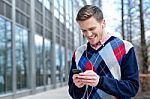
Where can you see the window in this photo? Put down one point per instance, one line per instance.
(39, 60)
(1, 7)
(5, 9)
(60, 64)
(69, 58)
(8, 11)
(56, 13)
(48, 60)
(63, 69)
(9, 1)
(23, 5)
(22, 54)
(47, 4)
(48, 14)
(56, 4)
(5, 56)
(61, 19)
(38, 17)
(58, 60)
(39, 28)
(61, 2)
(40, 1)
(38, 5)
(22, 19)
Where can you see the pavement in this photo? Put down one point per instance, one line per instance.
(62, 93)
(58, 93)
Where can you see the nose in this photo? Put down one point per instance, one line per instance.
(88, 33)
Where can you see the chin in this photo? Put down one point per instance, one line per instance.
(92, 43)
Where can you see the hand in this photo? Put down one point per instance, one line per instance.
(89, 77)
(77, 81)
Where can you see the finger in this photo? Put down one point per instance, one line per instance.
(80, 85)
(75, 76)
(87, 74)
(88, 81)
(90, 73)
(77, 80)
(86, 77)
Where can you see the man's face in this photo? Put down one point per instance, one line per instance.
(92, 29)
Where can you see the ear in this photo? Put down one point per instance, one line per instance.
(103, 23)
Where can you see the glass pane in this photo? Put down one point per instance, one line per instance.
(63, 63)
(69, 57)
(47, 4)
(21, 57)
(56, 13)
(48, 60)
(58, 56)
(61, 19)
(67, 6)
(56, 4)
(70, 8)
(40, 0)
(61, 10)
(39, 60)
(5, 57)
(61, 2)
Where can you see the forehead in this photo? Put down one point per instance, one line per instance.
(91, 22)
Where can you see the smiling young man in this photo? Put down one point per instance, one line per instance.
(108, 64)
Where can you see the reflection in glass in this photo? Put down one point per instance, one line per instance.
(47, 4)
(60, 64)
(21, 57)
(61, 19)
(56, 5)
(5, 57)
(61, 9)
(40, 0)
(58, 67)
(69, 57)
(61, 2)
(39, 60)
(48, 60)
(56, 13)
(63, 63)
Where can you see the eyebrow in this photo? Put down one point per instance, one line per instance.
(91, 28)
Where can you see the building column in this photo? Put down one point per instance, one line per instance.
(44, 64)
(66, 45)
(53, 55)
(14, 82)
(32, 67)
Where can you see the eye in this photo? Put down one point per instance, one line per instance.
(91, 29)
(83, 31)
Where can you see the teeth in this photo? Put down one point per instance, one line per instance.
(92, 37)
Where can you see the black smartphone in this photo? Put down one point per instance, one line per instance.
(76, 71)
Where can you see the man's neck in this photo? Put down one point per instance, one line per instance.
(104, 38)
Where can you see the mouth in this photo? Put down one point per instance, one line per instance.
(91, 37)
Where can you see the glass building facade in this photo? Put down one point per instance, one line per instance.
(37, 39)
(36, 45)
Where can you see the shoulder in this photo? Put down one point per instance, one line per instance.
(126, 44)
(81, 49)
(79, 52)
